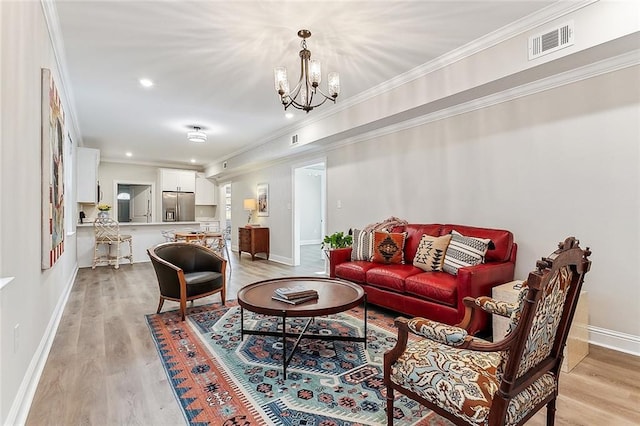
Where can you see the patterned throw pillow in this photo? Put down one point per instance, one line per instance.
(464, 251)
(430, 254)
(362, 246)
(388, 247)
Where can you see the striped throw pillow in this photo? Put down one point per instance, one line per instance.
(362, 246)
(464, 251)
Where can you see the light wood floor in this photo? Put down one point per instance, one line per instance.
(103, 368)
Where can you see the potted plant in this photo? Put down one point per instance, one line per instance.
(335, 241)
(103, 210)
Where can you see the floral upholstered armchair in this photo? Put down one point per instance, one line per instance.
(471, 381)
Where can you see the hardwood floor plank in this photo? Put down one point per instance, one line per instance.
(104, 369)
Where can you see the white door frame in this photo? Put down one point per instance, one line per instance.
(295, 231)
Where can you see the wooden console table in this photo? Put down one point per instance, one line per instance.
(253, 240)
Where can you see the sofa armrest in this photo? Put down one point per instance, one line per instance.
(477, 281)
(336, 257)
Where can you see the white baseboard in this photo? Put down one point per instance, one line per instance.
(615, 340)
(22, 403)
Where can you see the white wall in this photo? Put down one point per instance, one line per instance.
(34, 299)
(483, 136)
(280, 214)
(109, 173)
(561, 162)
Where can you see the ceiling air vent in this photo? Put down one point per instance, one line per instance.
(551, 40)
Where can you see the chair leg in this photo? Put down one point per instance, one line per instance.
(183, 307)
(551, 412)
(389, 406)
(160, 304)
(117, 266)
(226, 249)
(95, 256)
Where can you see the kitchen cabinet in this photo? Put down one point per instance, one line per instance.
(205, 191)
(252, 241)
(87, 161)
(178, 180)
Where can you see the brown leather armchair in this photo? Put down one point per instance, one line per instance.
(187, 271)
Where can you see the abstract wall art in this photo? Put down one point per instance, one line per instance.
(52, 158)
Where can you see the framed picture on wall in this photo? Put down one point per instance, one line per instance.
(52, 158)
(263, 199)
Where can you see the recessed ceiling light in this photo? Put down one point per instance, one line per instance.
(289, 115)
(193, 160)
(145, 82)
(129, 154)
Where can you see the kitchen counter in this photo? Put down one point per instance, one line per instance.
(169, 225)
(144, 235)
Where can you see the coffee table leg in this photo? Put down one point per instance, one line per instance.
(284, 345)
(365, 321)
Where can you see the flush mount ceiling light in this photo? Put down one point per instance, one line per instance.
(196, 135)
(302, 96)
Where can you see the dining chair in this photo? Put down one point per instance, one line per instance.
(107, 234)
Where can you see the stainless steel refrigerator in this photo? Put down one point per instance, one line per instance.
(178, 206)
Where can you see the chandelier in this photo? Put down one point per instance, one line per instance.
(306, 91)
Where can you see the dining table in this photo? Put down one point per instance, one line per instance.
(190, 236)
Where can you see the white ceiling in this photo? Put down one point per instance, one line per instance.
(212, 63)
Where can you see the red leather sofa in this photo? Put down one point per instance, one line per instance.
(409, 290)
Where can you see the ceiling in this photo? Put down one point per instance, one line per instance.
(212, 64)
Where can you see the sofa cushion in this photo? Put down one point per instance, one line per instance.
(431, 251)
(502, 240)
(464, 251)
(388, 247)
(390, 277)
(362, 246)
(438, 286)
(414, 234)
(355, 271)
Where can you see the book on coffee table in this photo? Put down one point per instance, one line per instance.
(296, 300)
(290, 293)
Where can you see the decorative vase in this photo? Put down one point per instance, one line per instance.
(103, 214)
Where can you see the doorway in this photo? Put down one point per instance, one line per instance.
(309, 213)
(134, 202)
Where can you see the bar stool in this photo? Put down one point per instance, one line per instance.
(107, 232)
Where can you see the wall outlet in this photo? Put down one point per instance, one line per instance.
(16, 338)
(339, 204)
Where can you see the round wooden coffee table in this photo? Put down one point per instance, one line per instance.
(334, 296)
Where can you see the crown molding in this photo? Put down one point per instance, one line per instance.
(55, 36)
(161, 164)
(615, 63)
(552, 12)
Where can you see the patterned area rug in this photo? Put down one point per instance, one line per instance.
(220, 380)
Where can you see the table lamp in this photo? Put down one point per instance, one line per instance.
(250, 205)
